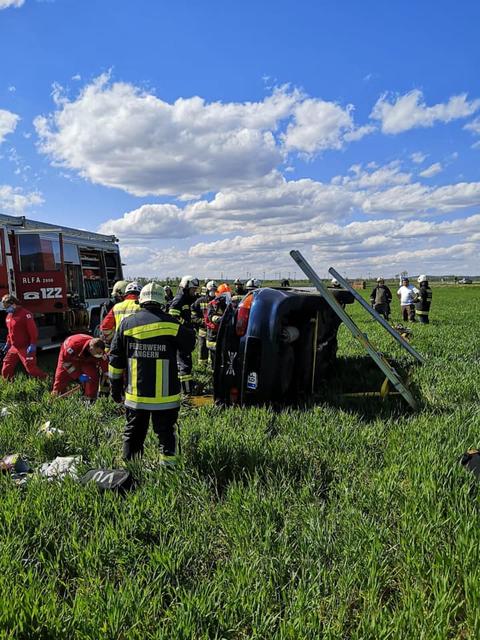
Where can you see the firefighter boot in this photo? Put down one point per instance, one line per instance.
(186, 385)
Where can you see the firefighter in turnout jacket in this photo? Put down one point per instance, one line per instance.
(21, 345)
(145, 347)
(213, 317)
(121, 310)
(118, 294)
(180, 310)
(198, 318)
(422, 306)
(81, 358)
(239, 291)
(380, 298)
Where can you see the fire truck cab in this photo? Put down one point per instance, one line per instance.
(62, 275)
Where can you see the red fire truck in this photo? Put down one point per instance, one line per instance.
(60, 274)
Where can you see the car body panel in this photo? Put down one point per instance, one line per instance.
(262, 366)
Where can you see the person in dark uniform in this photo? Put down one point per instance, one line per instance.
(380, 298)
(213, 317)
(180, 309)
(198, 317)
(424, 300)
(239, 291)
(144, 351)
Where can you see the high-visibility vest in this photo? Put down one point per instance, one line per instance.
(123, 309)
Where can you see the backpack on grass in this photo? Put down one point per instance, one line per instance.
(118, 480)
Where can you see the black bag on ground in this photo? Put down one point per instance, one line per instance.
(119, 480)
(471, 461)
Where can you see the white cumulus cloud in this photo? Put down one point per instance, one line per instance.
(473, 126)
(410, 111)
(15, 201)
(418, 157)
(433, 170)
(320, 125)
(8, 123)
(4, 4)
(358, 221)
(117, 135)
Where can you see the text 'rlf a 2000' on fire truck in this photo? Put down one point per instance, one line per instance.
(62, 275)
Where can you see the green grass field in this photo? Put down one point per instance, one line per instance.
(352, 519)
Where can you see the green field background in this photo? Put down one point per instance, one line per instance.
(349, 519)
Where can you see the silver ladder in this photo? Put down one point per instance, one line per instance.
(376, 356)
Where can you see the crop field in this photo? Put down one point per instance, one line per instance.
(349, 519)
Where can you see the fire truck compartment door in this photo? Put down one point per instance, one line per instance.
(40, 270)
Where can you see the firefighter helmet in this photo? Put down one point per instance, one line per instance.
(133, 287)
(223, 288)
(211, 285)
(119, 288)
(380, 279)
(253, 283)
(237, 281)
(335, 282)
(189, 282)
(422, 278)
(153, 293)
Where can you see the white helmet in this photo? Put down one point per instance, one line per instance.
(152, 292)
(422, 278)
(133, 287)
(119, 288)
(188, 282)
(380, 279)
(335, 282)
(211, 285)
(253, 283)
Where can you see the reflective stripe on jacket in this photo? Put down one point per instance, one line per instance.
(180, 307)
(124, 309)
(145, 346)
(422, 306)
(198, 311)
(213, 317)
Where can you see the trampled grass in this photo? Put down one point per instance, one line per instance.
(352, 519)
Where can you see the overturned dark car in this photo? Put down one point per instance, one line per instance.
(276, 347)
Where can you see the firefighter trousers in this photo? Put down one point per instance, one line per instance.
(202, 350)
(163, 422)
(383, 308)
(212, 357)
(184, 364)
(29, 362)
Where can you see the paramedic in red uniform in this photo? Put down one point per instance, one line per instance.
(80, 359)
(21, 340)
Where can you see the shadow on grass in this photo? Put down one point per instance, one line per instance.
(360, 375)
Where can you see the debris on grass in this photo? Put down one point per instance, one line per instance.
(61, 467)
(47, 430)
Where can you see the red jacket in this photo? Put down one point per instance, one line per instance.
(22, 329)
(74, 352)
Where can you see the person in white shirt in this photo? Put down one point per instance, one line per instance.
(407, 295)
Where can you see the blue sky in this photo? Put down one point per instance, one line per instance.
(213, 137)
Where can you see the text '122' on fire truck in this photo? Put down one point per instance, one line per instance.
(61, 275)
